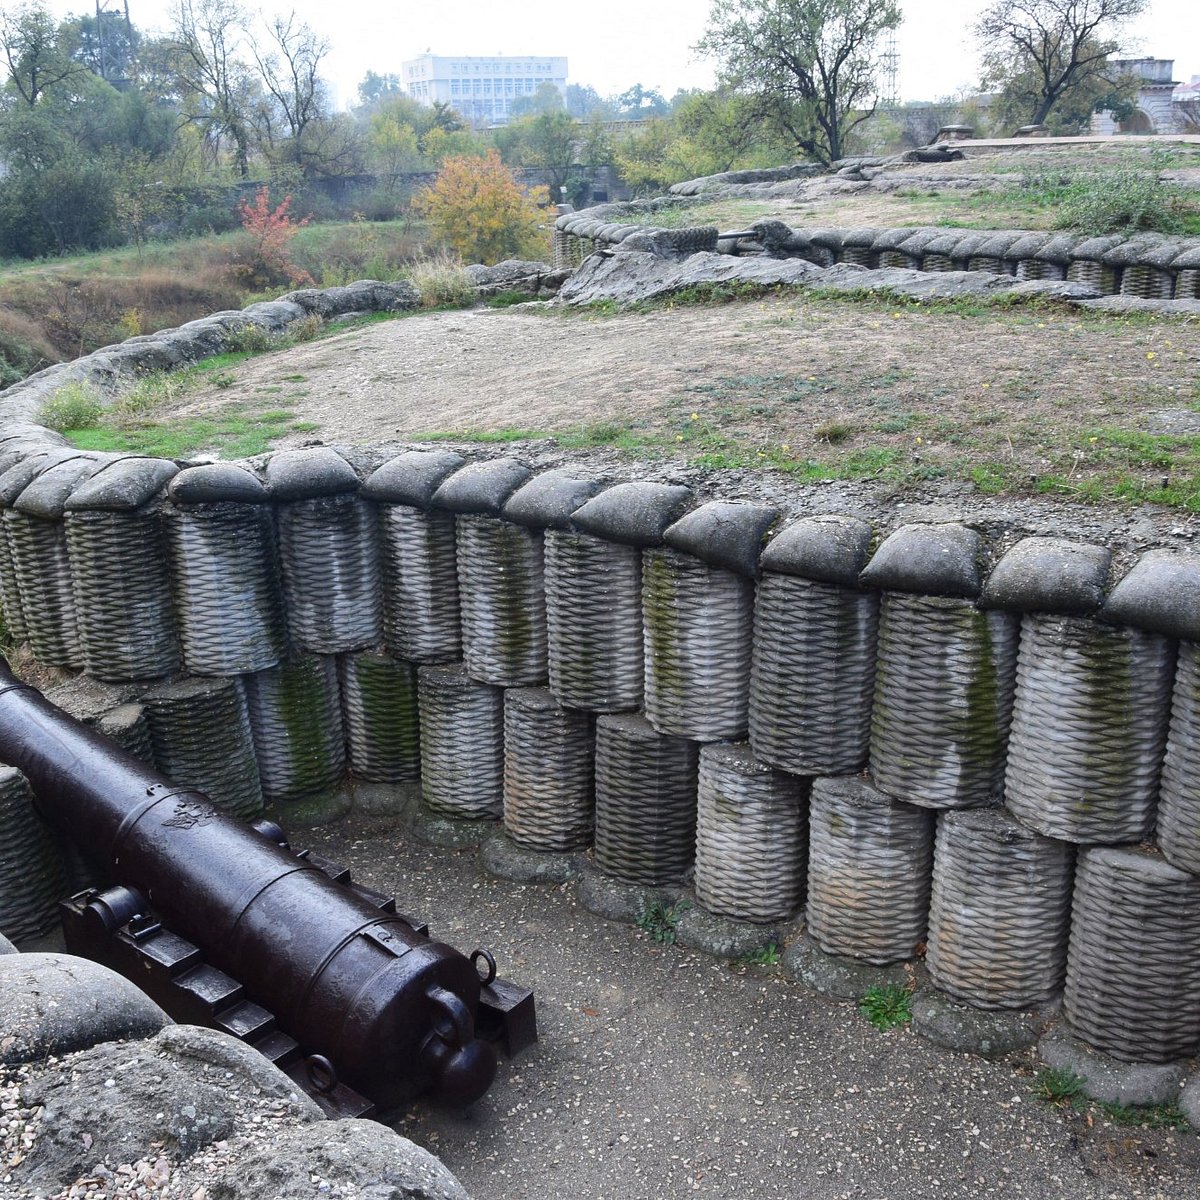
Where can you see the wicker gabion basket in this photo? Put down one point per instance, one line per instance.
(594, 622)
(812, 675)
(1179, 794)
(126, 725)
(698, 638)
(645, 802)
(1089, 727)
(297, 725)
(870, 863)
(329, 549)
(420, 584)
(227, 588)
(502, 602)
(32, 880)
(1000, 910)
(42, 573)
(122, 593)
(200, 734)
(462, 744)
(10, 592)
(943, 700)
(549, 790)
(381, 717)
(1133, 967)
(751, 836)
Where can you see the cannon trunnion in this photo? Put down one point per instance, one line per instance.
(224, 925)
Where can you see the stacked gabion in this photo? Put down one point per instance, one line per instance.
(420, 579)
(1000, 911)
(548, 772)
(225, 571)
(1089, 726)
(327, 544)
(1133, 967)
(297, 725)
(813, 666)
(126, 726)
(200, 733)
(462, 744)
(945, 671)
(118, 555)
(645, 802)
(31, 874)
(697, 608)
(870, 861)
(381, 717)
(1179, 795)
(750, 836)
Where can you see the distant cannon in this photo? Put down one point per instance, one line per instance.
(223, 925)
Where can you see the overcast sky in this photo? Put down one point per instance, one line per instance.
(617, 43)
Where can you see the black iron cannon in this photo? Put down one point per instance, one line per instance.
(220, 920)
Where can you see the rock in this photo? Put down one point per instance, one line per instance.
(215, 482)
(724, 937)
(637, 514)
(412, 478)
(956, 1026)
(548, 500)
(1189, 1101)
(124, 485)
(942, 560)
(481, 487)
(502, 857)
(1161, 594)
(1053, 575)
(360, 1158)
(174, 1094)
(305, 474)
(58, 1003)
(829, 548)
(1108, 1080)
(452, 832)
(510, 271)
(6, 947)
(47, 495)
(617, 901)
(832, 975)
(1188, 308)
(726, 534)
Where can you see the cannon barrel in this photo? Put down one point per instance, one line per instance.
(391, 1010)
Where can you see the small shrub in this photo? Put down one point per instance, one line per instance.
(265, 256)
(886, 1006)
(659, 920)
(305, 329)
(1123, 199)
(834, 432)
(73, 406)
(767, 956)
(251, 339)
(442, 281)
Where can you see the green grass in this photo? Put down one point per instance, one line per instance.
(231, 435)
(1064, 1089)
(659, 920)
(766, 956)
(886, 1006)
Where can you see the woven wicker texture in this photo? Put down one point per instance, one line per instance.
(751, 836)
(43, 575)
(122, 594)
(987, 263)
(1000, 910)
(1089, 726)
(328, 546)
(200, 732)
(420, 584)
(1187, 285)
(1095, 274)
(381, 717)
(462, 743)
(32, 880)
(893, 258)
(127, 727)
(937, 262)
(10, 593)
(1179, 794)
(812, 675)
(645, 802)
(503, 605)
(297, 724)
(861, 256)
(1146, 281)
(943, 700)
(594, 622)
(870, 860)
(226, 582)
(1038, 268)
(699, 623)
(548, 773)
(1133, 966)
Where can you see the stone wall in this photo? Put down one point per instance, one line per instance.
(868, 735)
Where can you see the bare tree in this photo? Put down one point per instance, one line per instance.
(289, 66)
(1048, 49)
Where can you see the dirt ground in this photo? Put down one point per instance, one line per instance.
(856, 386)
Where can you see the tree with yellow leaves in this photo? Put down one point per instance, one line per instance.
(478, 209)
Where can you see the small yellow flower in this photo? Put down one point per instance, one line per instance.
(784, 447)
(1093, 440)
(1151, 355)
(986, 386)
(694, 417)
(679, 437)
(1041, 324)
(895, 316)
(919, 441)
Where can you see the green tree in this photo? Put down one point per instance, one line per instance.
(1045, 53)
(809, 65)
(36, 53)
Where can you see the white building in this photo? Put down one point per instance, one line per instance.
(481, 90)
(1155, 99)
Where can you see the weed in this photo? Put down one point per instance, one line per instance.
(73, 406)
(766, 956)
(886, 1006)
(834, 432)
(508, 299)
(251, 339)
(1055, 1085)
(442, 281)
(1152, 1116)
(659, 920)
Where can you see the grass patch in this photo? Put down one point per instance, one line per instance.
(443, 282)
(766, 956)
(238, 434)
(509, 299)
(659, 920)
(886, 1006)
(73, 406)
(1064, 1089)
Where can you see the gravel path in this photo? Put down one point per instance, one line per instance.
(663, 1073)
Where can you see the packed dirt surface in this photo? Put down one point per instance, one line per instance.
(860, 388)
